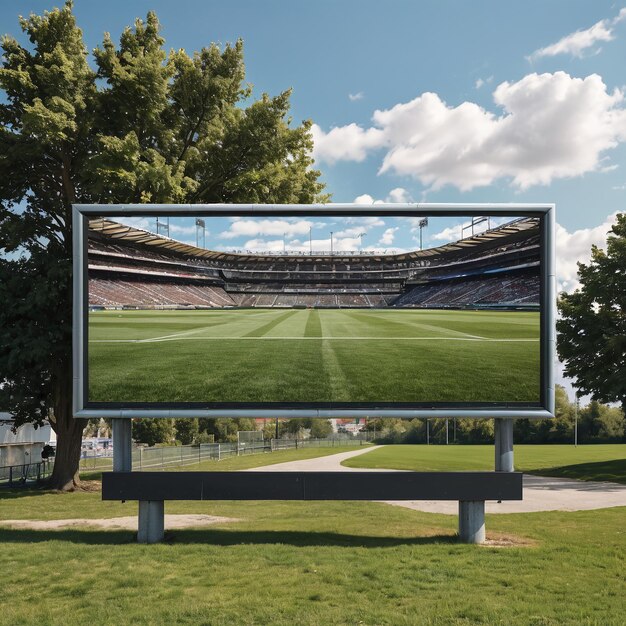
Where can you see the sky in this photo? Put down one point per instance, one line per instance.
(314, 234)
(437, 100)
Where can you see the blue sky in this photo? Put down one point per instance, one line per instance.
(434, 100)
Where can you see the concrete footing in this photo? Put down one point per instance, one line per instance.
(503, 435)
(472, 521)
(151, 521)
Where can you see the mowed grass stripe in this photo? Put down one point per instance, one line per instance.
(338, 383)
(358, 359)
(265, 328)
(399, 325)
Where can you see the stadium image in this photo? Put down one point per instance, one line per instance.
(170, 321)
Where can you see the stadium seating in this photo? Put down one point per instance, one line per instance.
(499, 272)
(507, 289)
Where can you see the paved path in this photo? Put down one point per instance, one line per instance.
(540, 493)
(329, 463)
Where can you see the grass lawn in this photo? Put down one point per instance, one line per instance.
(310, 563)
(270, 355)
(589, 462)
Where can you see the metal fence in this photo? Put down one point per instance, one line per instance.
(179, 456)
(29, 472)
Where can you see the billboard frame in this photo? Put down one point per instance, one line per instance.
(83, 212)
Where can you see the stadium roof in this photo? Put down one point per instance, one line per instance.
(132, 234)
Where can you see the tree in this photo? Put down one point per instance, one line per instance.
(225, 429)
(321, 428)
(187, 430)
(592, 328)
(153, 431)
(140, 127)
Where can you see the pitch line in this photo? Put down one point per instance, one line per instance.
(266, 338)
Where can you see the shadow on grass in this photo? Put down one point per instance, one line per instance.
(11, 493)
(224, 538)
(602, 471)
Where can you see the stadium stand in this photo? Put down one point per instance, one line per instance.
(132, 268)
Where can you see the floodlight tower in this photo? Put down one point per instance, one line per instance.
(331, 243)
(422, 224)
(200, 228)
(162, 226)
(360, 236)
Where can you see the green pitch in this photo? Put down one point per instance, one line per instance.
(278, 355)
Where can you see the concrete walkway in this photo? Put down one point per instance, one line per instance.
(540, 493)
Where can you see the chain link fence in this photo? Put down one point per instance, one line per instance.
(180, 456)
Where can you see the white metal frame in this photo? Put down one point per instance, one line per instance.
(82, 213)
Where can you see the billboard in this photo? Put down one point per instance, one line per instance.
(314, 310)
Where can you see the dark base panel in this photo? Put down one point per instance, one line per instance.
(464, 486)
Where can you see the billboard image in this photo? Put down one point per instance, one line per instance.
(308, 310)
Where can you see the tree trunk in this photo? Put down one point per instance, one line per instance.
(69, 431)
(65, 476)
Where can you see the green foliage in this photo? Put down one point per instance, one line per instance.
(321, 428)
(269, 429)
(596, 423)
(225, 429)
(187, 431)
(144, 126)
(153, 431)
(592, 327)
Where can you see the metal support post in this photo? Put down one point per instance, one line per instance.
(472, 521)
(151, 521)
(122, 446)
(503, 434)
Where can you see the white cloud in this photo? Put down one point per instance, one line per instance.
(144, 223)
(455, 232)
(387, 237)
(255, 228)
(578, 42)
(344, 143)
(339, 244)
(366, 199)
(398, 195)
(353, 231)
(452, 233)
(552, 126)
(356, 96)
(483, 81)
(575, 247)
(175, 229)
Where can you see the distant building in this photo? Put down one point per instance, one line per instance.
(24, 446)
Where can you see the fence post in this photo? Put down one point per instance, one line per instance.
(219, 456)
